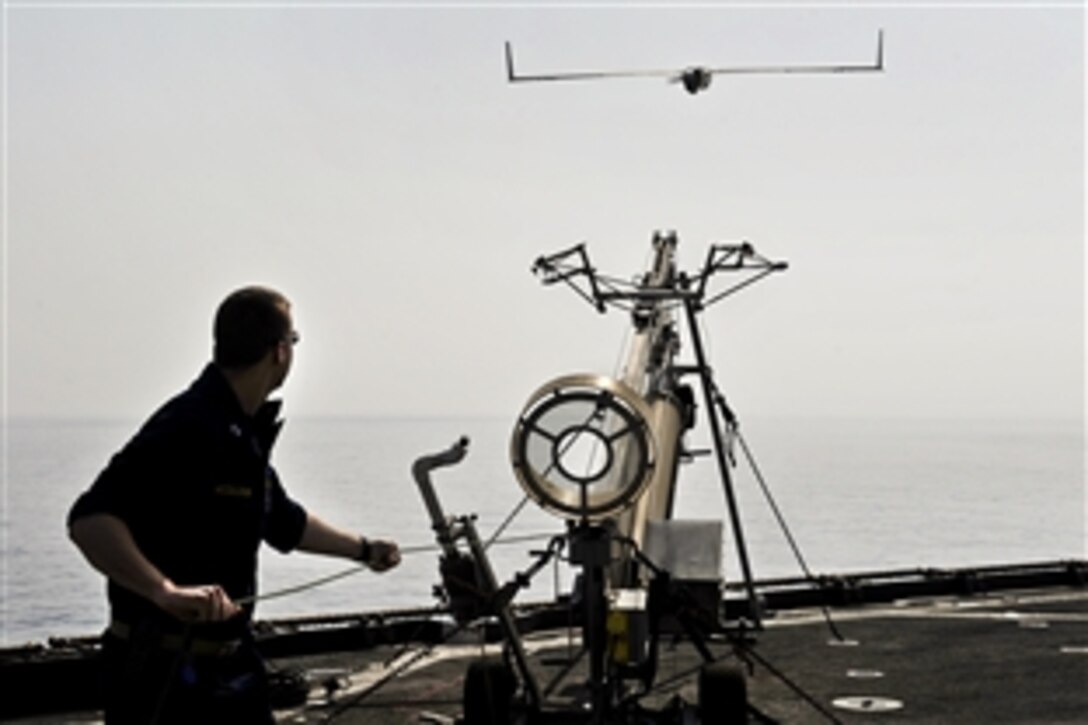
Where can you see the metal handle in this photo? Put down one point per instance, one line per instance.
(421, 472)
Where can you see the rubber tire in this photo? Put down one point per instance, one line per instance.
(723, 694)
(488, 692)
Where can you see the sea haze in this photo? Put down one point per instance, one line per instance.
(858, 495)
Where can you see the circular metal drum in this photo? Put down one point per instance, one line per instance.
(582, 447)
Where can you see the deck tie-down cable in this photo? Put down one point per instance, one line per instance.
(357, 699)
(785, 527)
(797, 689)
(732, 427)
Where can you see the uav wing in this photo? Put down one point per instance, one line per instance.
(695, 78)
(514, 77)
(878, 65)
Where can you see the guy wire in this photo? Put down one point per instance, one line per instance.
(734, 430)
(785, 528)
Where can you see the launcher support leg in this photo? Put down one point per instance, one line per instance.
(591, 549)
(504, 615)
(709, 389)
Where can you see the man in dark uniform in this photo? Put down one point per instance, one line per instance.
(175, 521)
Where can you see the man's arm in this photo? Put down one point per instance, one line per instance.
(320, 537)
(107, 544)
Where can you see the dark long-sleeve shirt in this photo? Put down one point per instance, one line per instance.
(197, 491)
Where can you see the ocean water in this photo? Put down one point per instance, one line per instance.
(858, 495)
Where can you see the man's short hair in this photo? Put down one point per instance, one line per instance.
(248, 323)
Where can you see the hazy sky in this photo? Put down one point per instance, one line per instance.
(374, 164)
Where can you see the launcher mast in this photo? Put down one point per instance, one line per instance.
(649, 372)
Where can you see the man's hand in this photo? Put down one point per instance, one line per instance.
(107, 543)
(384, 555)
(320, 538)
(208, 603)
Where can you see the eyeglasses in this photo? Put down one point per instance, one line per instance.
(291, 338)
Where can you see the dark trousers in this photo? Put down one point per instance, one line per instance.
(146, 684)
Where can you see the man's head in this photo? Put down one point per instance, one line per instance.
(253, 326)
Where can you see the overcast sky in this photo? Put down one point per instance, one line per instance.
(374, 164)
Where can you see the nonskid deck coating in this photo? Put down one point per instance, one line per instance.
(1011, 658)
(1019, 657)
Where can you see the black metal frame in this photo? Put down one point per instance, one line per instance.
(690, 292)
